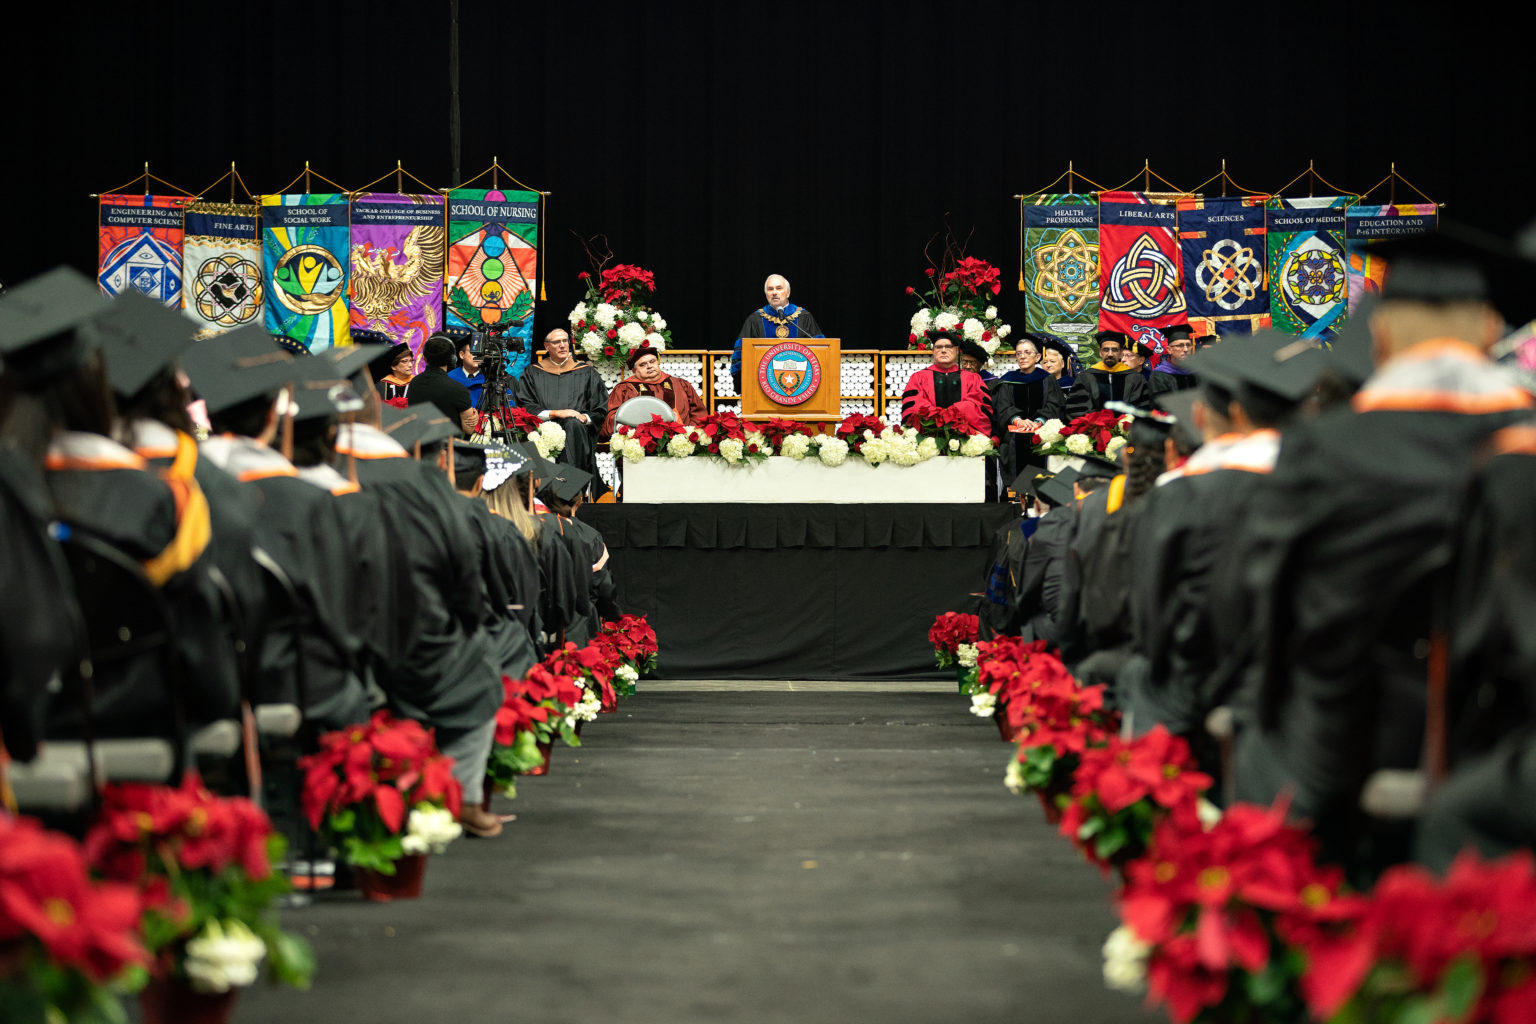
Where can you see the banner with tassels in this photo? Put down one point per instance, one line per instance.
(1140, 290)
(1061, 265)
(1365, 224)
(222, 252)
(399, 249)
(138, 245)
(1308, 285)
(304, 252)
(493, 265)
(1226, 282)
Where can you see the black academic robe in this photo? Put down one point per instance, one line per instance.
(562, 589)
(580, 389)
(596, 596)
(1164, 381)
(512, 648)
(1032, 396)
(1037, 590)
(754, 326)
(997, 607)
(1098, 385)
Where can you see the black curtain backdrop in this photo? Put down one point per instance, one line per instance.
(718, 144)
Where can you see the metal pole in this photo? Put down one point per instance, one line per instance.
(454, 146)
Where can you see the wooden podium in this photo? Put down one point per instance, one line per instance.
(779, 387)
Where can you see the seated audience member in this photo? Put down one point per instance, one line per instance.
(945, 385)
(560, 389)
(648, 378)
(1108, 380)
(469, 374)
(400, 367)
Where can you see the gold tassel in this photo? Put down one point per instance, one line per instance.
(1021, 243)
(543, 270)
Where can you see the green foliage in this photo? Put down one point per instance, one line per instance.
(44, 993)
(568, 734)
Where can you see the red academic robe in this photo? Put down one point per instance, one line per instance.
(975, 404)
(675, 391)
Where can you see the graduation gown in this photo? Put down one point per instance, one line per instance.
(932, 388)
(1166, 378)
(562, 589)
(675, 391)
(1031, 396)
(998, 607)
(539, 390)
(795, 322)
(511, 645)
(595, 594)
(1099, 384)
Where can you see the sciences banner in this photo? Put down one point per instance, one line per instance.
(1308, 286)
(1140, 290)
(1366, 224)
(138, 245)
(222, 254)
(1226, 281)
(493, 265)
(399, 248)
(304, 255)
(1061, 266)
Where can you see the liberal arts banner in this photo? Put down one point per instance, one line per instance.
(222, 251)
(493, 265)
(1140, 291)
(1365, 224)
(1307, 288)
(138, 245)
(399, 243)
(1061, 265)
(1226, 282)
(304, 252)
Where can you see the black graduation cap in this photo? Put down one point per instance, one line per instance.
(1178, 332)
(238, 365)
(319, 391)
(533, 462)
(39, 321)
(566, 485)
(1267, 361)
(348, 360)
(1057, 490)
(1025, 482)
(501, 464)
(426, 427)
(1104, 336)
(1458, 263)
(1181, 406)
(469, 458)
(1095, 464)
(384, 360)
(139, 337)
(974, 350)
(1067, 353)
(1349, 356)
(952, 335)
(1146, 349)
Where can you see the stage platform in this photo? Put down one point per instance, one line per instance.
(781, 480)
(789, 591)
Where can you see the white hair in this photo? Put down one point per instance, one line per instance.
(781, 277)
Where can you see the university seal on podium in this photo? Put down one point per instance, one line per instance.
(789, 373)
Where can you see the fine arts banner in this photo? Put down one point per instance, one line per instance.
(222, 253)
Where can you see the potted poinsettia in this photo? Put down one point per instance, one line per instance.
(66, 939)
(950, 432)
(960, 296)
(385, 796)
(203, 865)
(615, 316)
(633, 639)
(1101, 432)
(1054, 720)
(544, 705)
(951, 632)
(547, 436)
(592, 668)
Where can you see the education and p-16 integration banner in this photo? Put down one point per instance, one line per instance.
(138, 245)
(1366, 224)
(1226, 283)
(1140, 290)
(493, 265)
(304, 252)
(399, 247)
(1061, 266)
(1308, 286)
(222, 256)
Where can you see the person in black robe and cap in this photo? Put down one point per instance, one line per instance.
(778, 318)
(1108, 380)
(393, 372)
(560, 389)
(1171, 374)
(561, 495)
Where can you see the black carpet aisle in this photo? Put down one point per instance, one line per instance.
(805, 856)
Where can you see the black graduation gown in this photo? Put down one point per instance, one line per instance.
(589, 559)
(1094, 387)
(997, 608)
(1036, 396)
(580, 389)
(1034, 614)
(511, 645)
(1161, 383)
(562, 590)
(754, 327)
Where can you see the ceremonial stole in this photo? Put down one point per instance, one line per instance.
(1226, 283)
(399, 247)
(304, 253)
(1139, 288)
(1365, 224)
(493, 265)
(1061, 265)
(138, 245)
(222, 252)
(1306, 265)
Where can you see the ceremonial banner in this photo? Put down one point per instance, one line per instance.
(493, 265)
(399, 244)
(1306, 265)
(222, 252)
(304, 253)
(1140, 292)
(1226, 283)
(139, 245)
(1365, 224)
(1061, 265)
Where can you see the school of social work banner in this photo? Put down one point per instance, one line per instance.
(1366, 224)
(493, 264)
(1140, 292)
(1226, 282)
(304, 254)
(1308, 286)
(399, 245)
(1061, 264)
(222, 256)
(139, 245)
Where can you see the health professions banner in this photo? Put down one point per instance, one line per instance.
(1061, 264)
(1140, 292)
(1366, 224)
(1226, 282)
(1306, 265)
(222, 252)
(138, 245)
(304, 253)
(493, 264)
(399, 243)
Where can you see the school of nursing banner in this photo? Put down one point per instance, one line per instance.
(304, 256)
(399, 246)
(1061, 265)
(1308, 289)
(222, 256)
(138, 246)
(1226, 278)
(493, 264)
(1366, 224)
(1140, 291)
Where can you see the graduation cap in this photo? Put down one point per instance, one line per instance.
(318, 391)
(1268, 361)
(139, 337)
(567, 485)
(1027, 482)
(503, 464)
(541, 468)
(1181, 406)
(347, 361)
(1057, 345)
(469, 458)
(1458, 263)
(953, 336)
(974, 350)
(39, 325)
(1057, 490)
(1115, 336)
(1148, 426)
(1178, 332)
(1095, 464)
(426, 426)
(236, 366)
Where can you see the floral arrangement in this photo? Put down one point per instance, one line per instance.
(950, 432)
(726, 436)
(203, 865)
(535, 709)
(950, 632)
(634, 641)
(591, 668)
(382, 791)
(64, 937)
(958, 298)
(1102, 432)
(546, 436)
(615, 318)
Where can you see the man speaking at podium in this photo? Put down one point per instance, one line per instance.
(779, 318)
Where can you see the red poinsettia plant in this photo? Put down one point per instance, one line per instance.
(950, 429)
(948, 632)
(634, 641)
(64, 937)
(1103, 432)
(651, 436)
(624, 283)
(615, 318)
(775, 430)
(853, 426)
(203, 865)
(534, 711)
(959, 297)
(589, 668)
(364, 784)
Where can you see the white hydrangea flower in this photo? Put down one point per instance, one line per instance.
(1125, 961)
(954, 444)
(223, 956)
(972, 329)
(429, 829)
(834, 451)
(991, 313)
(588, 708)
(965, 654)
(922, 320)
(642, 316)
(656, 341)
(1013, 778)
(657, 323)
(605, 314)
(1112, 449)
(927, 448)
(732, 450)
(628, 673)
(945, 321)
(679, 447)
(874, 452)
(976, 446)
(1208, 813)
(631, 335)
(795, 446)
(1050, 431)
(904, 453)
(1004, 331)
(1078, 444)
(989, 346)
(592, 344)
(984, 704)
(578, 314)
(756, 437)
(633, 450)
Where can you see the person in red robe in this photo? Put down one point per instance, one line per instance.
(647, 378)
(945, 385)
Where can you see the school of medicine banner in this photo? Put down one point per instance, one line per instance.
(1061, 265)
(399, 248)
(1140, 291)
(304, 255)
(1226, 280)
(1365, 224)
(138, 245)
(493, 264)
(1307, 283)
(222, 256)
